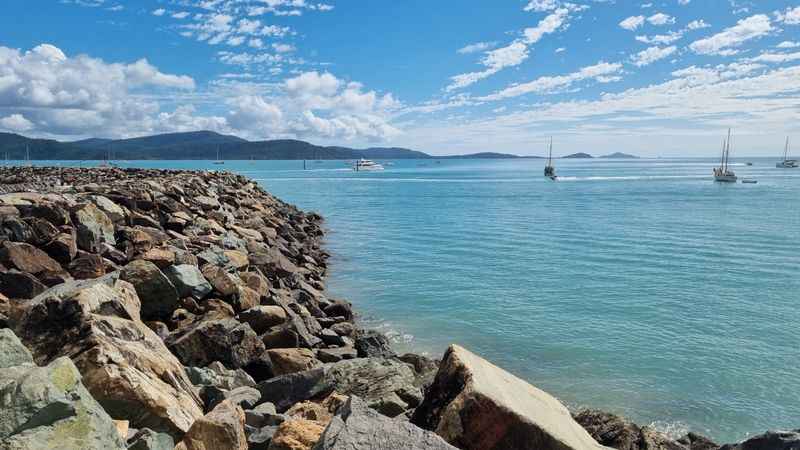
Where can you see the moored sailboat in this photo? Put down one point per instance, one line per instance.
(549, 169)
(723, 174)
(787, 163)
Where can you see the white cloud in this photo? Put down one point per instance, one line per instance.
(180, 15)
(684, 2)
(632, 23)
(548, 25)
(788, 44)
(541, 5)
(661, 19)
(791, 16)
(550, 84)
(250, 111)
(697, 24)
(159, 12)
(668, 38)
(726, 42)
(476, 47)
(651, 55)
(776, 57)
(15, 123)
(283, 48)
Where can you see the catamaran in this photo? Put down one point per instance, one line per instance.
(787, 163)
(366, 166)
(722, 174)
(549, 169)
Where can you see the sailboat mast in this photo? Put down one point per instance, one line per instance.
(550, 157)
(786, 149)
(728, 150)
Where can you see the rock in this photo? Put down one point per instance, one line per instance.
(424, 367)
(357, 427)
(261, 438)
(771, 440)
(87, 266)
(373, 344)
(693, 441)
(207, 202)
(113, 211)
(340, 308)
(93, 227)
(17, 230)
(188, 281)
(296, 434)
(216, 374)
(256, 282)
(245, 299)
(245, 397)
(221, 429)
(27, 258)
(343, 328)
(262, 318)
(62, 248)
(161, 257)
(375, 380)
(236, 259)
(158, 295)
(49, 408)
(329, 355)
(123, 426)
(473, 404)
(124, 364)
(222, 281)
(16, 284)
(321, 412)
(617, 432)
(261, 415)
(12, 352)
(232, 343)
(43, 231)
(290, 360)
(147, 439)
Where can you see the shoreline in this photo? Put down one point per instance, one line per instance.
(244, 274)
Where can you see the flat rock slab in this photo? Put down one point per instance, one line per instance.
(476, 405)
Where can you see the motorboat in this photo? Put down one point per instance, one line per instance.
(723, 174)
(366, 165)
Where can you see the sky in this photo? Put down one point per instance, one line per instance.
(654, 78)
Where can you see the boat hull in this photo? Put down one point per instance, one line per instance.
(725, 178)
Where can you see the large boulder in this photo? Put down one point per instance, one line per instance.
(262, 318)
(228, 341)
(771, 440)
(221, 429)
(27, 258)
(49, 408)
(475, 405)
(188, 280)
(290, 360)
(93, 227)
(296, 434)
(16, 284)
(358, 427)
(12, 352)
(124, 364)
(158, 295)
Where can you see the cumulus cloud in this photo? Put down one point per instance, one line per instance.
(791, 16)
(788, 44)
(661, 19)
(15, 123)
(632, 23)
(697, 24)
(651, 55)
(727, 41)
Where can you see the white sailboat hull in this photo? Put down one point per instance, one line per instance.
(787, 165)
(725, 178)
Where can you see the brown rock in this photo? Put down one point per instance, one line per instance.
(93, 227)
(238, 260)
(291, 360)
(262, 318)
(161, 257)
(27, 258)
(296, 434)
(159, 297)
(232, 343)
(475, 405)
(62, 248)
(222, 281)
(16, 284)
(256, 282)
(221, 429)
(87, 266)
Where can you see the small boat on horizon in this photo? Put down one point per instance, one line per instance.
(787, 163)
(722, 174)
(219, 160)
(366, 165)
(549, 169)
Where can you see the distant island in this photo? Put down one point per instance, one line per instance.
(201, 145)
(620, 155)
(578, 156)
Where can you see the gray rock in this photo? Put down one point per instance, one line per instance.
(48, 407)
(262, 415)
(357, 427)
(216, 374)
(12, 352)
(232, 343)
(188, 281)
(158, 295)
(147, 439)
(286, 390)
(93, 227)
(114, 212)
(330, 355)
(259, 439)
(771, 440)
(372, 343)
(244, 396)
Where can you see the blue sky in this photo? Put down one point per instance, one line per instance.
(653, 78)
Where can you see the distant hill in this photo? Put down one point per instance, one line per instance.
(578, 156)
(620, 155)
(200, 145)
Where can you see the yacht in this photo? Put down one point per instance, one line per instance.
(366, 165)
(219, 160)
(787, 163)
(723, 174)
(549, 169)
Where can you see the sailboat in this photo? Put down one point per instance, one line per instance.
(28, 156)
(787, 163)
(722, 174)
(219, 160)
(549, 169)
(107, 163)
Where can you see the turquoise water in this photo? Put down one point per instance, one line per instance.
(636, 286)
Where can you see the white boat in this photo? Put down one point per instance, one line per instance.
(365, 165)
(549, 169)
(787, 163)
(219, 160)
(723, 174)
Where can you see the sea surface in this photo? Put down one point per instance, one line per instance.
(635, 286)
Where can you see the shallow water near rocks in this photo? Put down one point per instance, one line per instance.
(635, 286)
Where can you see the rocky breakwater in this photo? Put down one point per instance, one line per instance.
(159, 310)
